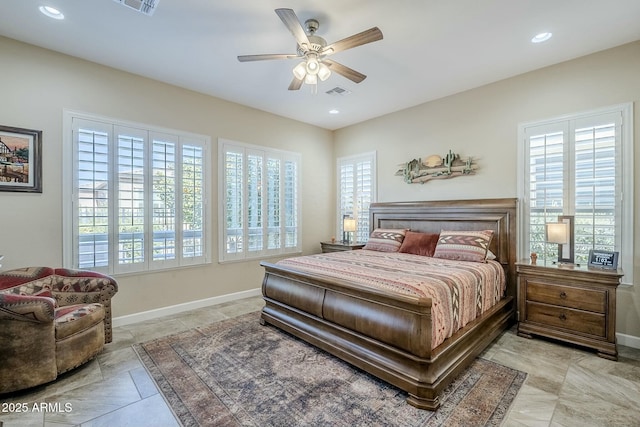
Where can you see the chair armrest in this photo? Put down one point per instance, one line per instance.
(27, 308)
(80, 281)
(81, 286)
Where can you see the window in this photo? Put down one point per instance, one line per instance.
(259, 201)
(356, 191)
(138, 196)
(580, 165)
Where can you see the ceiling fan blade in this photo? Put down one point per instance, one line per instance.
(367, 36)
(247, 58)
(295, 84)
(288, 16)
(345, 71)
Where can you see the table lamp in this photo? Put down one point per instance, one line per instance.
(561, 232)
(348, 226)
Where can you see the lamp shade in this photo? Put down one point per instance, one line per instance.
(311, 79)
(313, 66)
(349, 224)
(300, 70)
(324, 72)
(557, 232)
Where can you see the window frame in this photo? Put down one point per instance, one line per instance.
(70, 195)
(362, 235)
(624, 161)
(265, 153)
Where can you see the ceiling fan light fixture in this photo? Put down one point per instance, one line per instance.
(300, 70)
(311, 79)
(313, 66)
(324, 72)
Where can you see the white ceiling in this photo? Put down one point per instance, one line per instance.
(431, 48)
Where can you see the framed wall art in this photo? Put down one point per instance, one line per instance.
(20, 159)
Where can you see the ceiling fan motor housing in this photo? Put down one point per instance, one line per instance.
(317, 44)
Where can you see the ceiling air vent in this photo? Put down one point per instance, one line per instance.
(145, 6)
(338, 91)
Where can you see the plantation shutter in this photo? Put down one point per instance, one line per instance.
(130, 198)
(291, 202)
(259, 201)
(234, 201)
(574, 167)
(138, 198)
(597, 186)
(163, 198)
(364, 193)
(90, 249)
(193, 202)
(254, 201)
(548, 152)
(356, 188)
(347, 195)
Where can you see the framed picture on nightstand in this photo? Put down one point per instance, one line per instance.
(603, 259)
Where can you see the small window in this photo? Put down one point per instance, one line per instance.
(356, 191)
(259, 201)
(138, 196)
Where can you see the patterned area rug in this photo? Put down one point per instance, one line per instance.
(239, 373)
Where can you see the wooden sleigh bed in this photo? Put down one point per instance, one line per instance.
(389, 335)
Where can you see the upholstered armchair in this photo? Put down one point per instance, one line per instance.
(51, 321)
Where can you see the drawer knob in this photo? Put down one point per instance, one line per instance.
(563, 295)
(562, 317)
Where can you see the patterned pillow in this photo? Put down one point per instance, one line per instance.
(464, 245)
(385, 240)
(419, 243)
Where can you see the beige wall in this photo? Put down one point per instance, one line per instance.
(483, 123)
(38, 84)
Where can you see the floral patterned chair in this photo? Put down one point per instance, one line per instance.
(51, 321)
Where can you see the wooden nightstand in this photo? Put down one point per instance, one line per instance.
(340, 246)
(576, 305)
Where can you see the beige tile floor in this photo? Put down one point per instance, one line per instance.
(565, 387)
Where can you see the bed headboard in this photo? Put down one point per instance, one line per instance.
(499, 215)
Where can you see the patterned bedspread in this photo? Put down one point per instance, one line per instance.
(459, 290)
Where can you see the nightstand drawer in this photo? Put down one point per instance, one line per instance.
(579, 298)
(566, 318)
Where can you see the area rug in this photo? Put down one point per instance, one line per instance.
(239, 373)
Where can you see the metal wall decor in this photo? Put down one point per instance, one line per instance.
(419, 171)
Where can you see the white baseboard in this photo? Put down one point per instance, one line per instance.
(179, 308)
(623, 339)
(628, 340)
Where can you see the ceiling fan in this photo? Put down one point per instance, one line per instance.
(313, 50)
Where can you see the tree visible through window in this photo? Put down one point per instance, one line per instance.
(138, 197)
(576, 166)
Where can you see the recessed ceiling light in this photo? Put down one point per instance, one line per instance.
(542, 37)
(334, 111)
(51, 12)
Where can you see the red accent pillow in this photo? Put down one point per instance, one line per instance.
(419, 243)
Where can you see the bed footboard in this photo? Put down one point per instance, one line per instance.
(388, 337)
